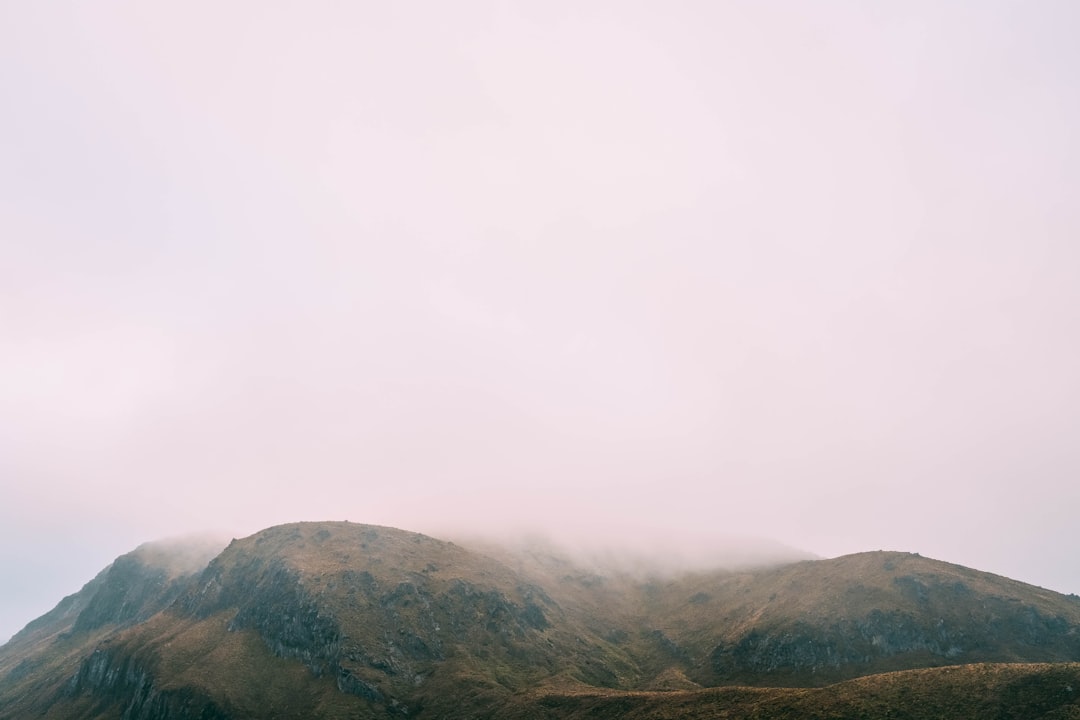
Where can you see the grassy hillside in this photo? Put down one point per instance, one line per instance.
(968, 692)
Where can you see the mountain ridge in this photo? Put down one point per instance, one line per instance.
(333, 619)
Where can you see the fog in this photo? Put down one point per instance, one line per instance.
(605, 271)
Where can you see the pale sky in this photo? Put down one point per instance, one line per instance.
(807, 271)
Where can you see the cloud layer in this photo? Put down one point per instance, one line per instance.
(807, 273)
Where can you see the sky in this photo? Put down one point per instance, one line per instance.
(606, 270)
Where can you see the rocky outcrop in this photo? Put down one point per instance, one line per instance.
(290, 622)
(269, 598)
(114, 681)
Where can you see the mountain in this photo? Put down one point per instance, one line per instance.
(336, 620)
(133, 588)
(815, 622)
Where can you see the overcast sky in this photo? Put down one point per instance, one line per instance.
(807, 271)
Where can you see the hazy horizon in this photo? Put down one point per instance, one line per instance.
(604, 271)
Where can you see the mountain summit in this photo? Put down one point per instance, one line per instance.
(338, 620)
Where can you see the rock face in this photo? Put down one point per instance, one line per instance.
(341, 620)
(269, 598)
(118, 680)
